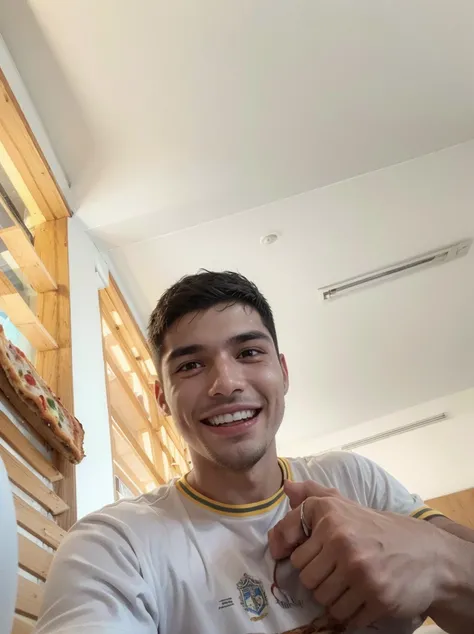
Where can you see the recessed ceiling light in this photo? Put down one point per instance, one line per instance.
(270, 238)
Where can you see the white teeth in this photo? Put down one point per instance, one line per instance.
(230, 418)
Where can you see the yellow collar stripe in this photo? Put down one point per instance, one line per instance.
(235, 510)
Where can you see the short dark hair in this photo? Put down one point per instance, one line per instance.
(200, 292)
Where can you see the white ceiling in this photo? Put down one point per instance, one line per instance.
(188, 129)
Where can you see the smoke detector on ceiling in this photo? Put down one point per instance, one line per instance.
(405, 267)
(270, 238)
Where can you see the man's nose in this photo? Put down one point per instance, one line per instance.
(226, 378)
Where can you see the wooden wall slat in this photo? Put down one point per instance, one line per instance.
(37, 524)
(33, 558)
(136, 446)
(29, 597)
(28, 482)
(141, 411)
(32, 268)
(31, 174)
(21, 444)
(22, 626)
(126, 477)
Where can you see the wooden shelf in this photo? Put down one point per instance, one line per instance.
(28, 260)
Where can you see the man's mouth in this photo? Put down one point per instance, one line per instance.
(230, 419)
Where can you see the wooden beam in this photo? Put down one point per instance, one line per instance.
(117, 335)
(129, 437)
(27, 322)
(26, 480)
(22, 625)
(31, 265)
(55, 366)
(21, 444)
(25, 163)
(34, 559)
(127, 478)
(141, 411)
(119, 304)
(12, 303)
(37, 524)
(29, 597)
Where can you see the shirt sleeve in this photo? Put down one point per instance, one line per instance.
(386, 493)
(96, 584)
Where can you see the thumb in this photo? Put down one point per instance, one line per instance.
(297, 492)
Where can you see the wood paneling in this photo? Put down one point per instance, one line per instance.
(140, 410)
(21, 444)
(457, 506)
(124, 474)
(29, 597)
(32, 268)
(26, 480)
(22, 625)
(37, 524)
(121, 425)
(33, 558)
(55, 366)
(24, 161)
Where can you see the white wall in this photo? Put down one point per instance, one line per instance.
(95, 485)
(431, 461)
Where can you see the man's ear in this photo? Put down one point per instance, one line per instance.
(284, 369)
(160, 397)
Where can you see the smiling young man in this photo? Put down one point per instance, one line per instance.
(247, 542)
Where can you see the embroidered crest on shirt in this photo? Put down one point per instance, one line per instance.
(252, 597)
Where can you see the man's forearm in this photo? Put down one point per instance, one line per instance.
(453, 611)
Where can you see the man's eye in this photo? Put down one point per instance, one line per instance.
(189, 366)
(249, 352)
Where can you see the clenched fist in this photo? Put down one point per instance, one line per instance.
(361, 564)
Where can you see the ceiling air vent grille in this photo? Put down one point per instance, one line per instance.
(404, 429)
(412, 265)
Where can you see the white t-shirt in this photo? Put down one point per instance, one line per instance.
(175, 562)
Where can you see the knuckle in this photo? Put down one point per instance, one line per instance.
(360, 567)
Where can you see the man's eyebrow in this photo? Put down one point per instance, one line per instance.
(251, 335)
(184, 351)
(242, 337)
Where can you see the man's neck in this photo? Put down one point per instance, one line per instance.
(237, 487)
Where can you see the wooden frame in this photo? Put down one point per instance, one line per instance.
(55, 366)
(24, 254)
(26, 480)
(24, 162)
(23, 317)
(37, 524)
(21, 444)
(124, 430)
(35, 560)
(45, 266)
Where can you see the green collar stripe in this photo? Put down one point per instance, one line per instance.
(229, 509)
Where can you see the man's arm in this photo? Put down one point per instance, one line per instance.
(455, 611)
(97, 585)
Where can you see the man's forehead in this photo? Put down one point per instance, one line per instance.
(212, 325)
